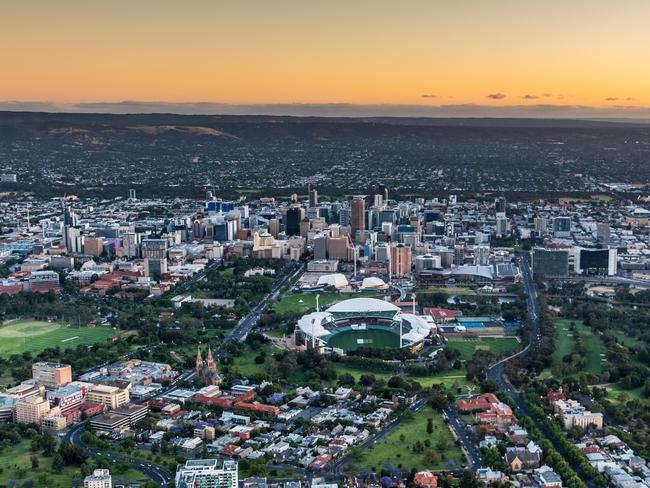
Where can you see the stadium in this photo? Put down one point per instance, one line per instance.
(362, 322)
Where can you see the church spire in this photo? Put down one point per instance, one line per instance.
(210, 361)
(199, 360)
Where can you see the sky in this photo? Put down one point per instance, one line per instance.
(593, 54)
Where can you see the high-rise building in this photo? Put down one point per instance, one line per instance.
(337, 248)
(155, 268)
(154, 248)
(320, 247)
(383, 191)
(550, 262)
(94, 246)
(344, 217)
(482, 255)
(501, 225)
(358, 214)
(207, 473)
(562, 226)
(51, 375)
(400, 261)
(313, 197)
(602, 232)
(132, 194)
(500, 205)
(101, 478)
(596, 261)
(292, 220)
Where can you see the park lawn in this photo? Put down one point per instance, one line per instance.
(397, 448)
(245, 363)
(449, 291)
(33, 336)
(496, 345)
(451, 378)
(306, 302)
(15, 463)
(626, 340)
(593, 344)
(614, 390)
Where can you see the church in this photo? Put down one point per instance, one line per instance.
(206, 371)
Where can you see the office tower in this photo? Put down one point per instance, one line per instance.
(501, 225)
(344, 217)
(596, 261)
(101, 478)
(132, 194)
(154, 248)
(320, 247)
(427, 262)
(335, 230)
(382, 252)
(292, 220)
(207, 473)
(550, 262)
(305, 225)
(155, 268)
(481, 255)
(294, 198)
(459, 255)
(209, 196)
(51, 375)
(274, 227)
(358, 214)
(378, 201)
(400, 261)
(383, 191)
(337, 248)
(500, 205)
(94, 246)
(540, 225)
(130, 242)
(313, 197)
(602, 232)
(562, 226)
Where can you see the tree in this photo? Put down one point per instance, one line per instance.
(346, 379)
(429, 426)
(57, 463)
(439, 401)
(34, 461)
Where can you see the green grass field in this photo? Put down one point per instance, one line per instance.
(19, 336)
(349, 340)
(396, 449)
(496, 345)
(566, 344)
(15, 464)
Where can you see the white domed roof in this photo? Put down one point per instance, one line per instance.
(363, 305)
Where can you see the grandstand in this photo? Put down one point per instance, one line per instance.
(362, 322)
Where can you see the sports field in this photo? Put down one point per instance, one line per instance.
(350, 340)
(496, 345)
(19, 336)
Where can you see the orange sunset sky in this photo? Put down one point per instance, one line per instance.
(588, 52)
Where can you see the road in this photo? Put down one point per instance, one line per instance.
(238, 333)
(247, 323)
(158, 474)
(460, 429)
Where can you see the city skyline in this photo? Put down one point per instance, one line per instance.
(427, 58)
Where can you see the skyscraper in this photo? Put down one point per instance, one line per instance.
(208, 473)
(400, 261)
(358, 214)
(313, 197)
(293, 219)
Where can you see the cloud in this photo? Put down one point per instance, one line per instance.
(530, 97)
(612, 99)
(629, 99)
(428, 95)
(496, 96)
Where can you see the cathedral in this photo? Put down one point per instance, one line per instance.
(206, 371)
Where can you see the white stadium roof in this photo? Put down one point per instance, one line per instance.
(360, 305)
